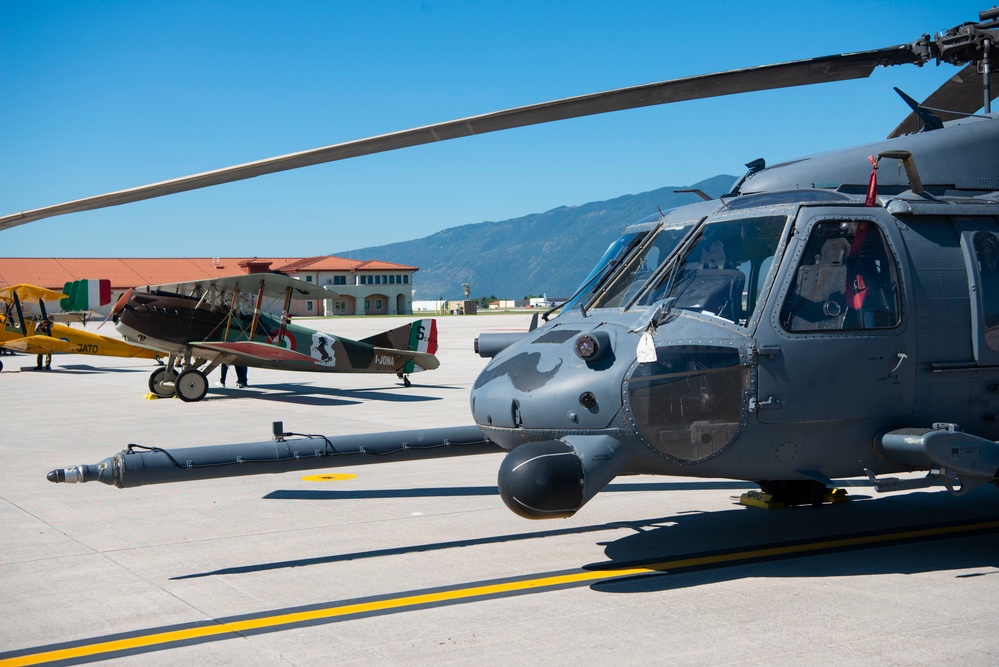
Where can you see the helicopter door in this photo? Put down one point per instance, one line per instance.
(835, 344)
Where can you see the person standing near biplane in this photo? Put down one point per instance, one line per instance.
(44, 328)
(241, 382)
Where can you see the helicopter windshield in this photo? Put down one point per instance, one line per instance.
(723, 270)
(611, 257)
(639, 265)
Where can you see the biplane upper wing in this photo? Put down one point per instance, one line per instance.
(39, 345)
(275, 285)
(29, 293)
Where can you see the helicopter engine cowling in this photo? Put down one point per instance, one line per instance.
(555, 478)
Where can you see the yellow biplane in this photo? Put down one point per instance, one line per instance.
(21, 334)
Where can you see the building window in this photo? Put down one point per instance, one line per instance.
(378, 304)
(308, 306)
(391, 280)
(308, 279)
(339, 280)
(367, 305)
(405, 279)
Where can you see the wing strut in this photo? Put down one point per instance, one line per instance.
(232, 309)
(20, 315)
(256, 309)
(285, 316)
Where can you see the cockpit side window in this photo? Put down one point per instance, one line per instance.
(847, 281)
(987, 256)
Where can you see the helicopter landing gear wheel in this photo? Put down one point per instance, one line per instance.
(192, 385)
(162, 382)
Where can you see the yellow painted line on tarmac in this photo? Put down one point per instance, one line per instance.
(328, 477)
(273, 622)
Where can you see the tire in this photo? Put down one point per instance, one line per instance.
(192, 385)
(162, 383)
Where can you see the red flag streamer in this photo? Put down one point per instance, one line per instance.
(872, 186)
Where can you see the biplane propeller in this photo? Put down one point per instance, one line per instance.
(825, 319)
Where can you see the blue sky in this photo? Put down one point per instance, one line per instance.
(101, 95)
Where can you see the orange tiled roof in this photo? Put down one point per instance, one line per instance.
(329, 263)
(134, 271)
(378, 265)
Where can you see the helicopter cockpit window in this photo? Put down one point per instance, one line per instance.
(987, 256)
(847, 280)
(723, 272)
(626, 282)
(611, 257)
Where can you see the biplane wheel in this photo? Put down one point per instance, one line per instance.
(162, 382)
(1, 365)
(406, 382)
(192, 385)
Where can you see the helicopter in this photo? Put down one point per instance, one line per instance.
(828, 318)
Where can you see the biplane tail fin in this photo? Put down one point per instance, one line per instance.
(86, 295)
(418, 336)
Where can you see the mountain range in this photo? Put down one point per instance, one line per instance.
(539, 254)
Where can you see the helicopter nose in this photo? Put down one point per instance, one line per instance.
(563, 378)
(555, 478)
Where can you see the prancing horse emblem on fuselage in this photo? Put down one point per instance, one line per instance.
(326, 355)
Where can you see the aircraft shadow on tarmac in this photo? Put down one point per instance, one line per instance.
(752, 540)
(310, 394)
(79, 369)
(881, 535)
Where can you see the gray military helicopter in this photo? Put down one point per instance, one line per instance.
(825, 319)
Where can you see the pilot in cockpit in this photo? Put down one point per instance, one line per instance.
(712, 256)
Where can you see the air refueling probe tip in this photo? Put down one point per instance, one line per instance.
(57, 476)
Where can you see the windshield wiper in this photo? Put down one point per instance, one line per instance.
(673, 264)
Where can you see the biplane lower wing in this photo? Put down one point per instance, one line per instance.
(40, 345)
(77, 342)
(252, 349)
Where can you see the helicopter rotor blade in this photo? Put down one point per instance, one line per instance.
(962, 94)
(824, 69)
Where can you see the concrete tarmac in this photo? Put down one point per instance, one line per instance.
(421, 563)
